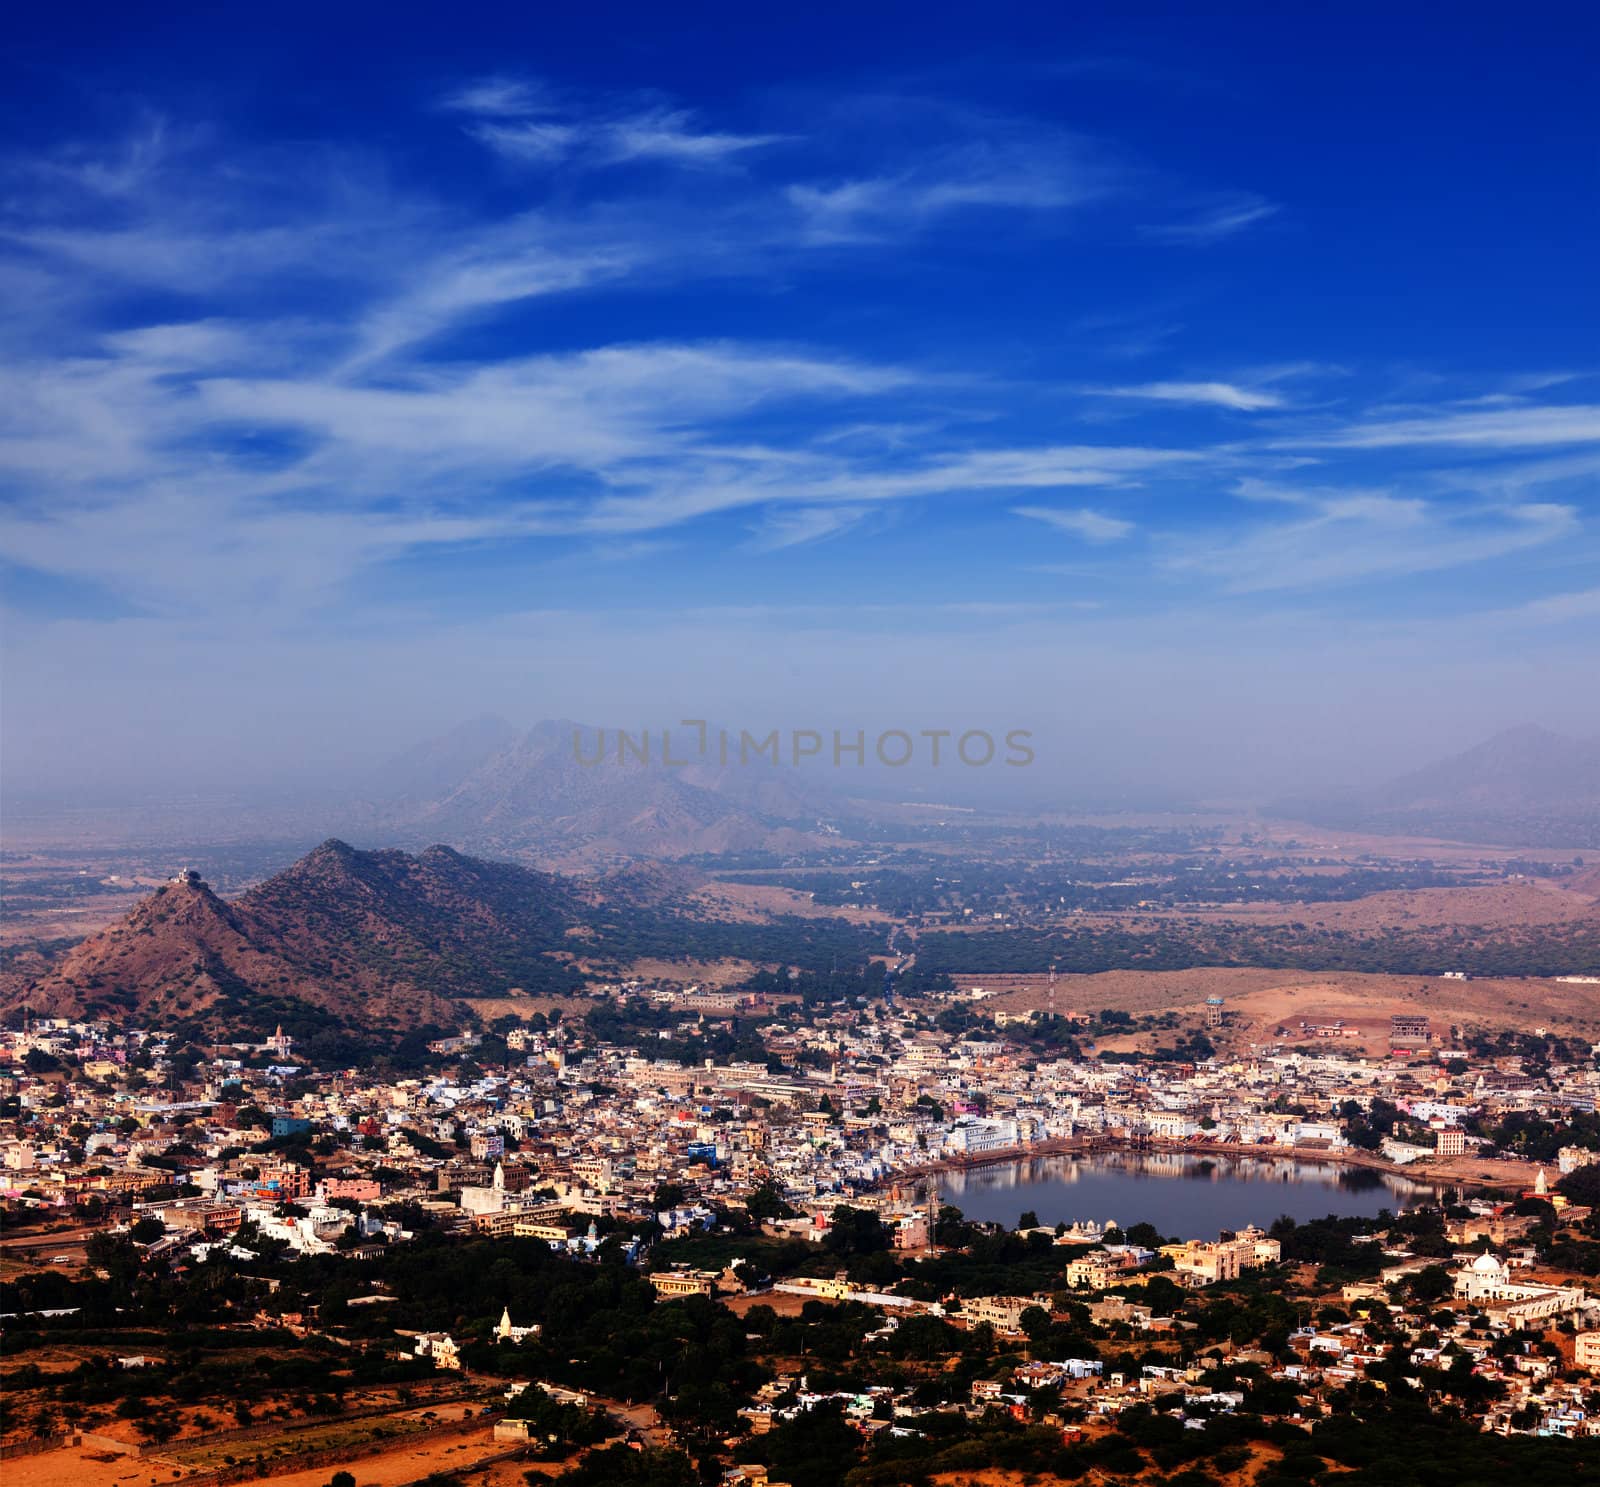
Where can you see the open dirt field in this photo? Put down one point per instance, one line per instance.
(756, 902)
(1273, 837)
(690, 972)
(491, 1007)
(1261, 1458)
(1493, 906)
(31, 1251)
(401, 1462)
(1469, 1169)
(23, 926)
(1258, 1001)
(785, 1303)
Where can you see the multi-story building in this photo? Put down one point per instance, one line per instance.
(1094, 1271)
(684, 1282)
(1003, 1313)
(980, 1136)
(1408, 1029)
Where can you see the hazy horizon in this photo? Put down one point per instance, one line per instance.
(1044, 780)
(1214, 397)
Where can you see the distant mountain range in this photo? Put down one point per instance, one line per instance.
(561, 790)
(1526, 787)
(380, 941)
(488, 788)
(540, 796)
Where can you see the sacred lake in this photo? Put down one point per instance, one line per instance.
(1184, 1194)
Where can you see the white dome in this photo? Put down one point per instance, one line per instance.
(1486, 1264)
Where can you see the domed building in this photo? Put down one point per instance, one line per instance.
(1487, 1282)
(1485, 1279)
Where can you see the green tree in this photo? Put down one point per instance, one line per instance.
(855, 1231)
(622, 1466)
(766, 1202)
(817, 1448)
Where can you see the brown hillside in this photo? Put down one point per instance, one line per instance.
(372, 940)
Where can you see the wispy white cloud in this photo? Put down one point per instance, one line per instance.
(500, 96)
(1523, 383)
(526, 259)
(1209, 394)
(585, 410)
(1500, 428)
(723, 478)
(1261, 490)
(672, 135)
(351, 388)
(1362, 536)
(1553, 609)
(121, 167)
(1221, 219)
(525, 122)
(854, 210)
(531, 142)
(666, 136)
(996, 166)
(794, 527)
(1571, 472)
(1092, 526)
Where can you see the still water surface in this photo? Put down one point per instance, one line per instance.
(1182, 1193)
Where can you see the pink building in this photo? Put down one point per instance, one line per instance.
(362, 1189)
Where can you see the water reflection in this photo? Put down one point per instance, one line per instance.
(1136, 1186)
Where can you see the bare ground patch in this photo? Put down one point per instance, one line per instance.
(1258, 1001)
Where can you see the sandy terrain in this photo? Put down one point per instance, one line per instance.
(491, 1007)
(86, 1467)
(785, 1303)
(1507, 1172)
(1260, 1000)
(1494, 906)
(755, 902)
(1273, 837)
(402, 1462)
(30, 1251)
(1262, 1456)
(85, 917)
(688, 972)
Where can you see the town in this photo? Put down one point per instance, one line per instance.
(763, 746)
(792, 1164)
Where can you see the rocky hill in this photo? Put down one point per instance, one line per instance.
(378, 940)
(387, 943)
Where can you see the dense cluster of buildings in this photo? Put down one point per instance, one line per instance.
(558, 1132)
(842, 1104)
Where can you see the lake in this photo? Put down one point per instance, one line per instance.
(1185, 1195)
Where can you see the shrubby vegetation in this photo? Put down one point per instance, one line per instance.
(1548, 950)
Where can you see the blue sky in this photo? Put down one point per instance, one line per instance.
(1221, 389)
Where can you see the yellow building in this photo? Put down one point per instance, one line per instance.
(684, 1282)
(1092, 1270)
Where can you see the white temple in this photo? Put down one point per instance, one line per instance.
(508, 1331)
(1487, 1282)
